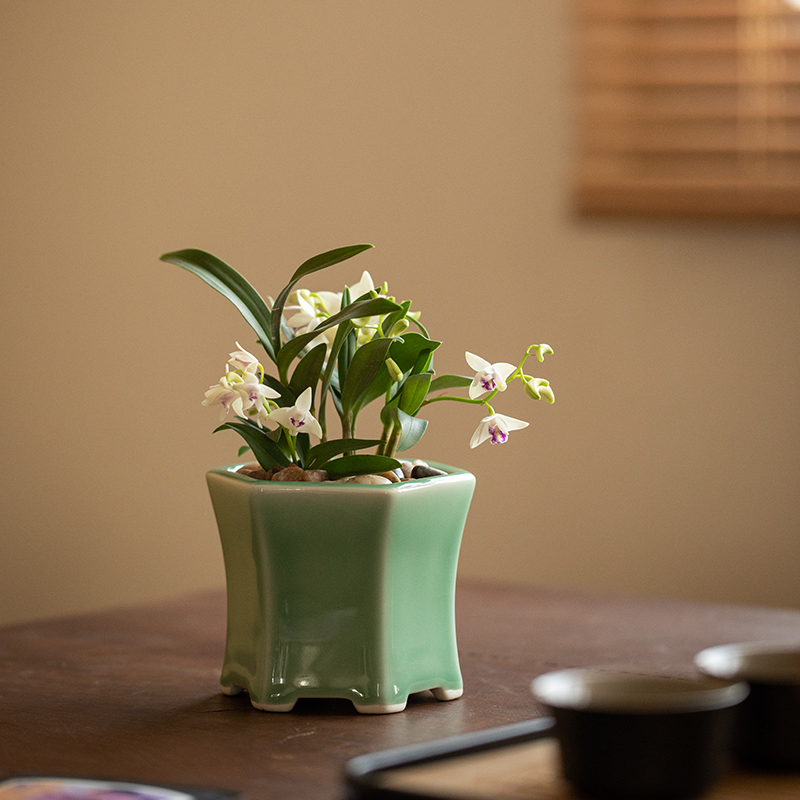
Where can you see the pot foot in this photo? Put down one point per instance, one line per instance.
(231, 690)
(446, 694)
(390, 708)
(279, 707)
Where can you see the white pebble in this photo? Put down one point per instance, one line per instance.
(370, 480)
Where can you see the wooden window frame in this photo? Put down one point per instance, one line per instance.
(688, 108)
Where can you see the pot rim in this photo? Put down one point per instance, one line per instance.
(454, 474)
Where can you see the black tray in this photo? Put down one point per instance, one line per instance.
(417, 772)
(513, 762)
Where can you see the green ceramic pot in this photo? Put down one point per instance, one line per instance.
(341, 590)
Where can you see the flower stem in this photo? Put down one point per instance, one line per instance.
(450, 397)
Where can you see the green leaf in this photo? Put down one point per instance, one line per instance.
(308, 370)
(361, 308)
(228, 282)
(242, 450)
(407, 352)
(313, 264)
(346, 352)
(442, 382)
(359, 465)
(336, 396)
(368, 359)
(424, 363)
(330, 378)
(413, 428)
(323, 452)
(381, 384)
(267, 453)
(302, 443)
(407, 349)
(415, 390)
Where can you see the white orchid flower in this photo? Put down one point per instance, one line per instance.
(246, 362)
(300, 313)
(363, 286)
(306, 310)
(242, 394)
(298, 418)
(488, 377)
(366, 326)
(254, 393)
(496, 428)
(225, 395)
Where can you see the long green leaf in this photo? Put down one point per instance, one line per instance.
(368, 359)
(267, 453)
(318, 455)
(330, 379)
(308, 370)
(362, 308)
(359, 465)
(229, 283)
(348, 345)
(313, 264)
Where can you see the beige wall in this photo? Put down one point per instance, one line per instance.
(269, 131)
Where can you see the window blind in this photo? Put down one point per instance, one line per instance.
(689, 108)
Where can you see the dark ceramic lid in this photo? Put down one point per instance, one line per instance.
(596, 689)
(752, 661)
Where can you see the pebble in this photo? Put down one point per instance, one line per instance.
(369, 480)
(291, 473)
(295, 473)
(256, 472)
(406, 466)
(424, 471)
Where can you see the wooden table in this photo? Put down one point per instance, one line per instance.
(132, 693)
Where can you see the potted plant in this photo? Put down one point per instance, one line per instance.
(341, 564)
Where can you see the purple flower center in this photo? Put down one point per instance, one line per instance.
(297, 423)
(498, 435)
(488, 383)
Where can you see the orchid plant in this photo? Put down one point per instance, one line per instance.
(352, 348)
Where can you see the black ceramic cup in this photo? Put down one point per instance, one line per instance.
(768, 729)
(628, 735)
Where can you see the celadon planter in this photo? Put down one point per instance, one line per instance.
(341, 590)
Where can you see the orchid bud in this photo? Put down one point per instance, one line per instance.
(399, 327)
(395, 372)
(539, 389)
(541, 350)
